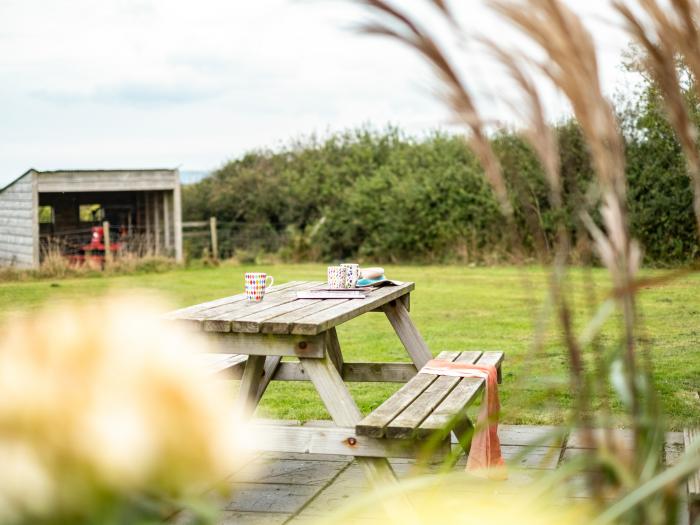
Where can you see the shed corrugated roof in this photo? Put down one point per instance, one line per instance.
(51, 172)
(145, 170)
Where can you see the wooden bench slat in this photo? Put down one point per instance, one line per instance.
(454, 404)
(461, 397)
(428, 403)
(217, 363)
(492, 358)
(374, 424)
(412, 416)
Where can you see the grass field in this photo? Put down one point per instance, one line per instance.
(455, 308)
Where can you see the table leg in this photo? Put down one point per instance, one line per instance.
(250, 383)
(271, 364)
(257, 374)
(344, 412)
(408, 333)
(333, 349)
(464, 430)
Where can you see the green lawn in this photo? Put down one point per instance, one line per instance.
(455, 308)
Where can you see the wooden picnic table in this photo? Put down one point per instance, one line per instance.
(416, 421)
(256, 336)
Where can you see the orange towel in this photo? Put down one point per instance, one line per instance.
(485, 457)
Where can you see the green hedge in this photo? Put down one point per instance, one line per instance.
(388, 197)
(661, 196)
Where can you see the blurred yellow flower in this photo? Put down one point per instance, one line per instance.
(461, 499)
(101, 402)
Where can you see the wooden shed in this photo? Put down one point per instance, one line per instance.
(63, 208)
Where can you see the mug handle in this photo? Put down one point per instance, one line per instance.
(272, 281)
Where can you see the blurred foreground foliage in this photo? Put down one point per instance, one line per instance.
(112, 422)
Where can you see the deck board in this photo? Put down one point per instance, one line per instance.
(302, 488)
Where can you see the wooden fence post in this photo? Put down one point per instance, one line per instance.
(156, 222)
(106, 242)
(214, 239)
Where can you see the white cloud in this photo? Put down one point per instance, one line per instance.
(161, 82)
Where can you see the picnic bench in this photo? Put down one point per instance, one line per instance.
(430, 405)
(255, 337)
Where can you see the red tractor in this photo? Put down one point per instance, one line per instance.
(95, 250)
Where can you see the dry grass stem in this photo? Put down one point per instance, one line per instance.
(538, 132)
(572, 66)
(570, 63)
(540, 136)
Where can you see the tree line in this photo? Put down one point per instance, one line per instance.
(382, 195)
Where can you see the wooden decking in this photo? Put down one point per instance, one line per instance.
(299, 488)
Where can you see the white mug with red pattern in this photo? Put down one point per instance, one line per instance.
(256, 284)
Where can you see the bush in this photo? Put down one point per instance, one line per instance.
(368, 195)
(661, 198)
(424, 201)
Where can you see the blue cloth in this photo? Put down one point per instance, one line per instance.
(369, 282)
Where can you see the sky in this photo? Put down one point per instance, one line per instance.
(171, 83)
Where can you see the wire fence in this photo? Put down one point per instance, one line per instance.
(77, 242)
(221, 240)
(201, 239)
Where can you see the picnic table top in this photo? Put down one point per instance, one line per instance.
(281, 312)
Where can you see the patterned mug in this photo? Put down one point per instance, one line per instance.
(336, 276)
(255, 285)
(352, 274)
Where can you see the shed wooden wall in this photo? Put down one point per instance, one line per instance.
(18, 222)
